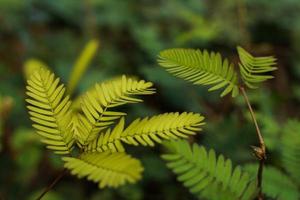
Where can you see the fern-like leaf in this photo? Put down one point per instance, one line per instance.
(108, 140)
(206, 175)
(147, 131)
(50, 111)
(201, 68)
(76, 102)
(96, 105)
(107, 169)
(253, 69)
(290, 149)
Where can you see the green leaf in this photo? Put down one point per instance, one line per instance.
(253, 69)
(207, 175)
(290, 149)
(107, 169)
(32, 65)
(148, 131)
(97, 104)
(50, 111)
(201, 68)
(82, 64)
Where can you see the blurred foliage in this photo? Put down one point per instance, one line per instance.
(275, 183)
(290, 144)
(131, 34)
(208, 175)
(32, 65)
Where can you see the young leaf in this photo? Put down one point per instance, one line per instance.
(148, 131)
(107, 169)
(201, 68)
(32, 65)
(50, 111)
(96, 106)
(166, 126)
(253, 69)
(82, 63)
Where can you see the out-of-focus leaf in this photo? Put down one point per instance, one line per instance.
(55, 161)
(103, 195)
(131, 192)
(200, 28)
(270, 129)
(155, 169)
(27, 161)
(290, 148)
(24, 137)
(28, 153)
(32, 65)
(275, 183)
(82, 63)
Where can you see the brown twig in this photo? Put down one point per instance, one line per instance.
(49, 187)
(260, 151)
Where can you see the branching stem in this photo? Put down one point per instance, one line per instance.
(260, 151)
(49, 187)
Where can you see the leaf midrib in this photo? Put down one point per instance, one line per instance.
(200, 68)
(54, 114)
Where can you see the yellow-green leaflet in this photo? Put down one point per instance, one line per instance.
(147, 131)
(107, 169)
(97, 106)
(201, 68)
(82, 63)
(49, 109)
(208, 68)
(253, 69)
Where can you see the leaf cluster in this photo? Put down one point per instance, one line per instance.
(204, 68)
(102, 158)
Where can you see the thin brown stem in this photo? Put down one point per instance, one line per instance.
(259, 177)
(260, 151)
(49, 187)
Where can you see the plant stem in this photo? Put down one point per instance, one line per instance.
(260, 151)
(49, 187)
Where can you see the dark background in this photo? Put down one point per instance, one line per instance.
(131, 34)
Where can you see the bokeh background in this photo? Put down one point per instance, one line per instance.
(131, 34)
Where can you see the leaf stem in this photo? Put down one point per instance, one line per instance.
(260, 151)
(55, 181)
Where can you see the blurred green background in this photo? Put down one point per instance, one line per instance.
(131, 34)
